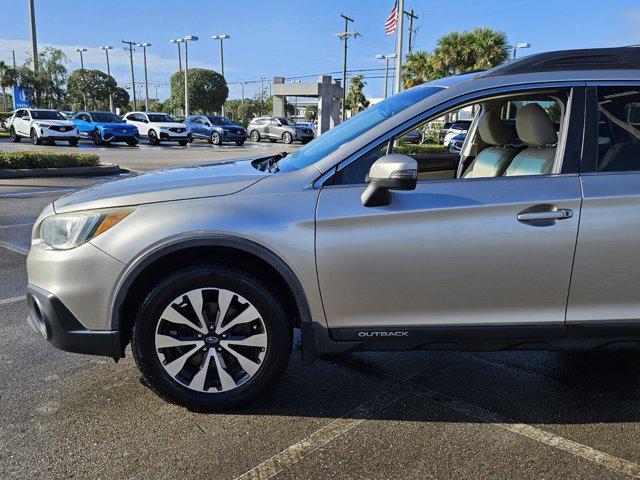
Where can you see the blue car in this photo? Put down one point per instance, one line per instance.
(216, 129)
(105, 127)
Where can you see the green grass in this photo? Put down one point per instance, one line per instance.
(424, 149)
(36, 159)
(4, 133)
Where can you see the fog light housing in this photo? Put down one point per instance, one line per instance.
(36, 316)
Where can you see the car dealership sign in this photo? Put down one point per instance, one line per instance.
(22, 97)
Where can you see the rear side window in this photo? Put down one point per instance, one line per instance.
(618, 129)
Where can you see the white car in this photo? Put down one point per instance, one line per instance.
(456, 128)
(42, 125)
(159, 127)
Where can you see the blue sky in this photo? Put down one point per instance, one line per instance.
(296, 37)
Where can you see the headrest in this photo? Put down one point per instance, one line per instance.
(535, 127)
(493, 130)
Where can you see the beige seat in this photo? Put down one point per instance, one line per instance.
(493, 160)
(536, 129)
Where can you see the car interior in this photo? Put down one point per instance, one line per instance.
(509, 136)
(618, 129)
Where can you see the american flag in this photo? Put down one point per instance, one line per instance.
(392, 21)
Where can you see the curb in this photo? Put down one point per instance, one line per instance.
(61, 172)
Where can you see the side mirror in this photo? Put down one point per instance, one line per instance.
(391, 172)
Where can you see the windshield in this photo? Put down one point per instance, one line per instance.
(220, 121)
(160, 118)
(285, 121)
(106, 117)
(46, 115)
(328, 142)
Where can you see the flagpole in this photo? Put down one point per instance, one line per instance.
(399, 33)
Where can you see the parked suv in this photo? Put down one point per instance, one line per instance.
(206, 270)
(456, 128)
(105, 127)
(278, 128)
(41, 125)
(216, 129)
(159, 127)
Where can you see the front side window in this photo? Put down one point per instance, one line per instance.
(504, 137)
(618, 129)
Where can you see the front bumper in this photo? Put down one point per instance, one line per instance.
(118, 137)
(48, 316)
(174, 137)
(233, 137)
(60, 138)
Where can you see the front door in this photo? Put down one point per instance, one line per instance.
(454, 252)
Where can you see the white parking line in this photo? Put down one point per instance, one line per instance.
(38, 192)
(17, 225)
(7, 301)
(289, 456)
(14, 248)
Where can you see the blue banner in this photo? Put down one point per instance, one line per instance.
(22, 97)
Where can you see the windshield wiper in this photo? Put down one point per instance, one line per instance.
(271, 164)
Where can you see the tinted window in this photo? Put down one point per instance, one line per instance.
(106, 117)
(46, 115)
(160, 118)
(220, 120)
(618, 129)
(285, 121)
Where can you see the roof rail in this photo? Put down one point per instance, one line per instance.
(618, 58)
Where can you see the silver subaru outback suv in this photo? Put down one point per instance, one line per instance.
(364, 242)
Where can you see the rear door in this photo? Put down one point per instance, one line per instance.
(604, 294)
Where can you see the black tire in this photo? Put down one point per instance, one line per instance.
(132, 143)
(73, 142)
(215, 138)
(153, 137)
(239, 143)
(97, 137)
(287, 138)
(255, 136)
(34, 137)
(15, 138)
(278, 329)
(183, 143)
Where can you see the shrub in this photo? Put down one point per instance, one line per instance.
(37, 159)
(424, 149)
(4, 120)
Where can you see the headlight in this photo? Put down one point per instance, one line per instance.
(68, 230)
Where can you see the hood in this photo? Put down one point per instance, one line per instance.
(59, 123)
(117, 126)
(181, 183)
(169, 124)
(229, 127)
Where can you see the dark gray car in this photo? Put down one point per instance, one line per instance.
(278, 128)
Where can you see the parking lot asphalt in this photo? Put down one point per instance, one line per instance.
(416, 415)
(146, 157)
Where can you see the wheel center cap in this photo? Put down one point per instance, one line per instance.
(211, 340)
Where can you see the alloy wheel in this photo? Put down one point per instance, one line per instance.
(255, 136)
(211, 340)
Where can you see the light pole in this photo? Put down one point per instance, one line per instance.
(133, 79)
(178, 41)
(519, 45)
(186, 40)
(242, 84)
(386, 70)
(144, 46)
(84, 95)
(262, 79)
(106, 51)
(344, 37)
(34, 43)
(222, 38)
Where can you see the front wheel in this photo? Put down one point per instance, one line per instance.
(132, 143)
(215, 138)
(96, 137)
(153, 138)
(211, 337)
(287, 138)
(34, 137)
(15, 138)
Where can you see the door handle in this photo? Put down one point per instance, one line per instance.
(544, 215)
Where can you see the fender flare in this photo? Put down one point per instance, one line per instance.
(179, 242)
